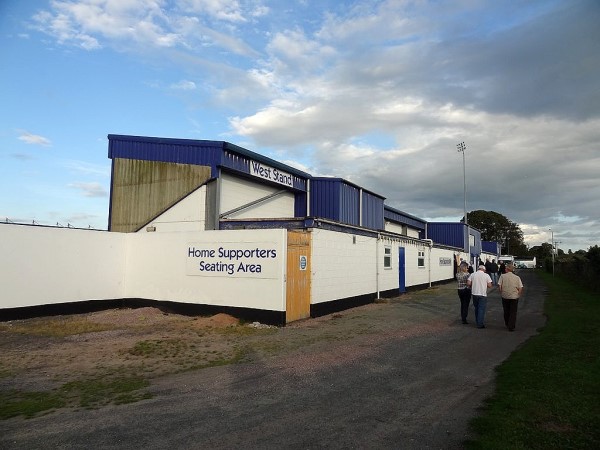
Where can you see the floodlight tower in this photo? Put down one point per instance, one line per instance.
(461, 149)
(552, 237)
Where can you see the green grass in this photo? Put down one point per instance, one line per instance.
(28, 404)
(86, 393)
(57, 327)
(548, 392)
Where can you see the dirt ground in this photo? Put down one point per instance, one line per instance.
(403, 373)
(44, 353)
(41, 354)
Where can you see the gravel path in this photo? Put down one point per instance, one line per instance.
(402, 374)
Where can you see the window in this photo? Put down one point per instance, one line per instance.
(421, 260)
(387, 258)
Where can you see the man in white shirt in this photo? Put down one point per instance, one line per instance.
(479, 282)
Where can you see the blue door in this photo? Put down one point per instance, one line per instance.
(401, 270)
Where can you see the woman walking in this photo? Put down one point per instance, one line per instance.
(464, 291)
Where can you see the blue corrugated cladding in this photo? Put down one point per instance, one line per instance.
(182, 151)
(349, 204)
(336, 199)
(454, 235)
(325, 198)
(490, 247)
(394, 215)
(199, 152)
(447, 233)
(372, 211)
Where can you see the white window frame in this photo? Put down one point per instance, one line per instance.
(387, 257)
(421, 259)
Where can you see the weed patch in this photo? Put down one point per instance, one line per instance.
(57, 327)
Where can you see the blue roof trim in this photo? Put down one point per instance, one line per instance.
(198, 152)
(395, 215)
(349, 183)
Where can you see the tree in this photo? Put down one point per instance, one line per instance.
(541, 252)
(496, 227)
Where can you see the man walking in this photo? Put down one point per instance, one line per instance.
(493, 272)
(479, 282)
(510, 287)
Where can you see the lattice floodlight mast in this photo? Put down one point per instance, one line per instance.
(461, 149)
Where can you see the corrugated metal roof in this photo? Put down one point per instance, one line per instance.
(395, 215)
(191, 151)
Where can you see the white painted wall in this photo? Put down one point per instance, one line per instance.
(159, 267)
(236, 192)
(187, 215)
(399, 229)
(340, 267)
(343, 268)
(43, 265)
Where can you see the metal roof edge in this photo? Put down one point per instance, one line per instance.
(350, 183)
(221, 144)
(265, 159)
(397, 211)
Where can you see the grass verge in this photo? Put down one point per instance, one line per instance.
(88, 393)
(548, 392)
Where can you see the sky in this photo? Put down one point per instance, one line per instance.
(379, 93)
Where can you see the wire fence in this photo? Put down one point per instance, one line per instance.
(34, 222)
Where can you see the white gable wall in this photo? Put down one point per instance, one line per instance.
(187, 215)
(236, 192)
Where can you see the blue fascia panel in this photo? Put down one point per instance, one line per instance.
(198, 152)
(447, 233)
(397, 216)
(490, 247)
(181, 151)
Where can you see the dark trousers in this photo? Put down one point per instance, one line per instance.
(510, 306)
(465, 300)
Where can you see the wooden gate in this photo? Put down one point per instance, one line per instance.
(298, 276)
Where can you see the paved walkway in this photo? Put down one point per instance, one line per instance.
(401, 375)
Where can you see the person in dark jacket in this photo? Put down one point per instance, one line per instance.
(464, 291)
(493, 271)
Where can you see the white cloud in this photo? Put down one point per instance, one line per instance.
(86, 168)
(147, 24)
(90, 189)
(228, 10)
(34, 139)
(184, 85)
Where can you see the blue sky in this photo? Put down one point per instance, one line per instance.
(377, 92)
